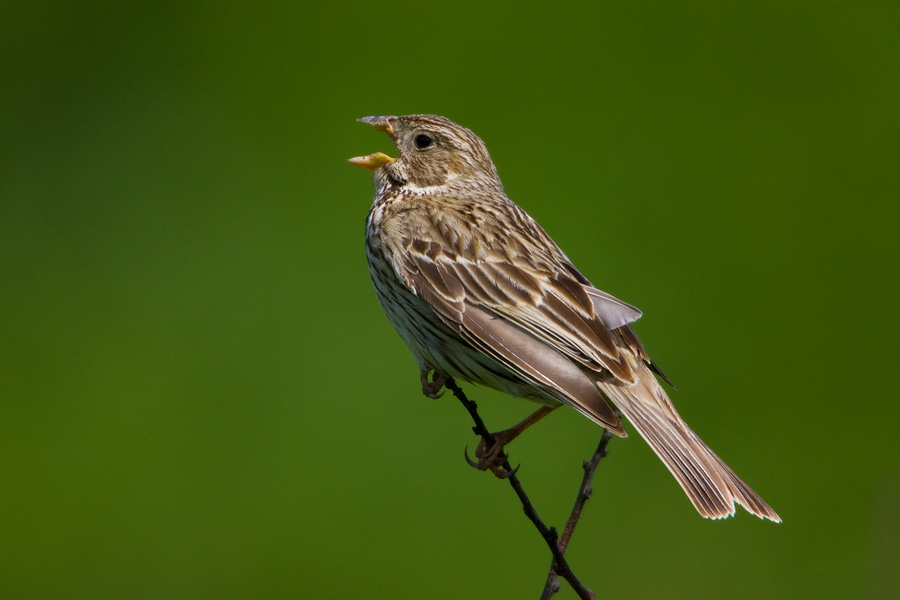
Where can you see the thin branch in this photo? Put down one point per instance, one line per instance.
(560, 565)
(584, 492)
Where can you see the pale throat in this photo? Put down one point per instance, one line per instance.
(421, 190)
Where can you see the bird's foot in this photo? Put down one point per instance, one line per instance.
(491, 456)
(432, 388)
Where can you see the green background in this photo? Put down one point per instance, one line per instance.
(201, 398)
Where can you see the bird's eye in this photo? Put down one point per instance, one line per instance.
(423, 141)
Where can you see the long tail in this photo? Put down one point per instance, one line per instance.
(710, 484)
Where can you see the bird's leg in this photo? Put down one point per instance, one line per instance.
(432, 388)
(491, 456)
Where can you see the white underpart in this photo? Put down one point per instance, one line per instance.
(420, 190)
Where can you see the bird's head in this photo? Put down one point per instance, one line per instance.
(436, 155)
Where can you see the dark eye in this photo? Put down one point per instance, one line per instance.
(423, 141)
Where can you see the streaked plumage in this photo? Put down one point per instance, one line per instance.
(479, 292)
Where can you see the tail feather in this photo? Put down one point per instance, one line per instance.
(711, 485)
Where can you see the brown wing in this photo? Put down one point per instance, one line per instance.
(540, 325)
(545, 327)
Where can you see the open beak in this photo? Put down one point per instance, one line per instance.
(377, 160)
(371, 162)
(382, 123)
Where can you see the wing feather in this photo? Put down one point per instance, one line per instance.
(532, 323)
(611, 310)
(551, 330)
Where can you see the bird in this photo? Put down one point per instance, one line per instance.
(479, 292)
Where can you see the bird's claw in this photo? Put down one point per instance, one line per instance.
(502, 473)
(490, 459)
(432, 388)
(471, 462)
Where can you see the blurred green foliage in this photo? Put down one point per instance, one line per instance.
(200, 397)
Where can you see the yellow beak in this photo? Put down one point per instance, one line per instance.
(371, 162)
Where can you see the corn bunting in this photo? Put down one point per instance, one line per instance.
(479, 292)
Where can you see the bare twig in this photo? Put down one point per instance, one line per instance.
(584, 492)
(560, 565)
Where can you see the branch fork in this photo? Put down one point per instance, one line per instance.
(559, 567)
